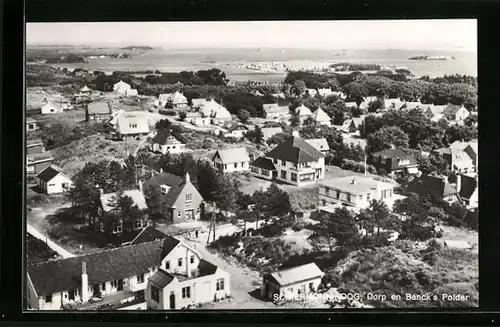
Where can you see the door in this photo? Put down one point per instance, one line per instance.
(303, 289)
(190, 214)
(172, 301)
(120, 285)
(275, 174)
(96, 290)
(71, 295)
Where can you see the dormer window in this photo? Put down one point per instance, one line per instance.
(132, 125)
(189, 197)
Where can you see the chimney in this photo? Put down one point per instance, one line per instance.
(188, 271)
(295, 134)
(140, 187)
(188, 179)
(353, 181)
(459, 182)
(85, 283)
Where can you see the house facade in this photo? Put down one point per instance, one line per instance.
(292, 282)
(185, 280)
(438, 186)
(34, 146)
(297, 162)
(36, 162)
(263, 168)
(457, 159)
(51, 108)
(354, 191)
(303, 112)
(122, 88)
(231, 160)
(31, 125)
(268, 132)
(183, 201)
(164, 142)
(321, 118)
(177, 100)
(454, 113)
(98, 111)
(131, 124)
(275, 111)
(393, 161)
(118, 277)
(52, 181)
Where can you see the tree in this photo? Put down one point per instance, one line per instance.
(278, 138)
(224, 193)
(460, 133)
(376, 105)
(376, 217)
(295, 120)
(156, 202)
(298, 87)
(243, 115)
(130, 169)
(417, 223)
(387, 137)
(182, 116)
(256, 136)
(338, 226)
(356, 91)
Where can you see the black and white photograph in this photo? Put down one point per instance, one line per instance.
(280, 165)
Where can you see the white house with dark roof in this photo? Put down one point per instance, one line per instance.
(303, 112)
(51, 108)
(297, 162)
(131, 124)
(52, 181)
(231, 160)
(263, 168)
(98, 111)
(454, 113)
(31, 124)
(320, 117)
(355, 191)
(291, 282)
(164, 142)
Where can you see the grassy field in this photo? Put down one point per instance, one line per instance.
(38, 251)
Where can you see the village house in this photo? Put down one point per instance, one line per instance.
(231, 160)
(237, 131)
(454, 113)
(352, 125)
(275, 111)
(311, 92)
(131, 124)
(111, 225)
(34, 146)
(257, 93)
(296, 281)
(468, 190)
(434, 111)
(125, 89)
(51, 108)
(321, 118)
(117, 277)
(164, 142)
(268, 132)
(36, 162)
(279, 95)
(263, 168)
(325, 92)
(31, 125)
(303, 112)
(351, 104)
(355, 191)
(438, 186)
(197, 119)
(457, 159)
(183, 201)
(98, 111)
(185, 280)
(366, 102)
(51, 181)
(85, 90)
(198, 103)
(472, 150)
(319, 144)
(393, 104)
(231, 83)
(216, 112)
(410, 105)
(393, 161)
(177, 100)
(297, 162)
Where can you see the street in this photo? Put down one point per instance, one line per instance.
(35, 233)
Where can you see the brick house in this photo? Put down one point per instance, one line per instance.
(393, 161)
(182, 199)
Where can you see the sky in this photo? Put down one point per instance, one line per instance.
(458, 35)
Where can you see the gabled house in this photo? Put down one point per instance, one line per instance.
(410, 105)
(275, 111)
(351, 104)
(122, 88)
(263, 168)
(297, 162)
(434, 110)
(31, 125)
(164, 142)
(98, 111)
(36, 162)
(438, 186)
(185, 280)
(393, 161)
(52, 181)
(472, 151)
(131, 124)
(198, 103)
(231, 160)
(237, 131)
(393, 104)
(183, 201)
(303, 112)
(354, 191)
(311, 92)
(454, 113)
(51, 108)
(468, 190)
(216, 112)
(111, 224)
(321, 118)
(296, 281)
(268, 132)
(366, 102)
(257, 93)
(325, 92)
(176, 99)
(34, 146)
(457, 159)
(352, 125)
(85, 90)
(319, 144)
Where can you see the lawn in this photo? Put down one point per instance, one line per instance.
(38, 251)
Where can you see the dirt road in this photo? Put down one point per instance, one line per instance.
(51, 244)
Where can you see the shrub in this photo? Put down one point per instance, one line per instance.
(298, 226)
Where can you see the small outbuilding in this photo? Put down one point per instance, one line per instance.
(51, 181)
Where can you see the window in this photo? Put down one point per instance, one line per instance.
(294, 177)
(198, 210)
(103, 287)
(117, 227)
(132, 125)
(114, 283)
(236, 165)
(189, 197)
(283, 162)
(327, 191)
(311, 286)
(48, 298)
(179, 262)
(275, 161)
(173, 147)
(186, 292)
(225, 166)
(290, 290)
(178, 214)
(338, 195)
(191, 259)
(140, 278)
(368, 196)
(220, 284)
(155, 294)
(31, 126)
(283, 174)
(348, 198)
(167, 265)
(138, 223)
(52, 184)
